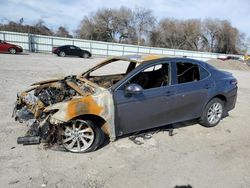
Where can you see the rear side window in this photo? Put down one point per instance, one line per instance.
(187, 72)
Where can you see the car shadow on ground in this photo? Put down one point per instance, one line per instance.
(23, 53)
(171, 128)
(183, 186)
(74, 57)
(145, 134)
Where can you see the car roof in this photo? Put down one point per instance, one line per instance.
(139, 58)
(151, 57)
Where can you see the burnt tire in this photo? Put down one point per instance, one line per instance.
(62, 54)
(12, 51)
(81, 136)
(212, 113)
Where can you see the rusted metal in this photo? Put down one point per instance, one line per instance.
(75, 87)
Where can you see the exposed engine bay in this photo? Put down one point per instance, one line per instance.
(31, 104)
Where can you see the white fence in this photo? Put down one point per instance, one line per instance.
(41, 43)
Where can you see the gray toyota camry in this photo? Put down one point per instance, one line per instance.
(123, 95)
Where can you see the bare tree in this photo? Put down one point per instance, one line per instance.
(42, 29)
(144, 22)
(169, 34)
(62, 32)
(227, 38)
(140, 27)
(192, 34)
(38, 28)
(211, 29)
(100, 26)
(114, 25)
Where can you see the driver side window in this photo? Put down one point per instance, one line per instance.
(152, 77)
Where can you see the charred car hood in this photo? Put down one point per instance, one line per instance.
(52, 103)
(55, 94)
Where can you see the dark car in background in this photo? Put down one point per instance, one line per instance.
(10, 48)
(144, 93)
(71, 50)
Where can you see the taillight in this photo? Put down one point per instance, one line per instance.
(234, 82)
(54, 49)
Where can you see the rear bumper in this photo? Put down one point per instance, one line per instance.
(231, 100)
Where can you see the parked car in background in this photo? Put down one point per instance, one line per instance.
(144, 93)
(10, 48)
(225, 58)
(71, 50)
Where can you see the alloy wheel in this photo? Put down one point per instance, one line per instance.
(12, 50)
(214, 113)
(78, 136)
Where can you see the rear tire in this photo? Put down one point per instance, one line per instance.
(81, 136)
(212, 113)
(62, 54)
(12, 51)
(85, 55)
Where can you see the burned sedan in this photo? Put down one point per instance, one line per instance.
(123, 95)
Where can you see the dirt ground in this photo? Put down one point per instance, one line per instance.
(196, 156)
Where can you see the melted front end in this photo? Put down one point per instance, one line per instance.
(32, 107)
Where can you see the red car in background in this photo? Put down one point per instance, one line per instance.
(10, 48)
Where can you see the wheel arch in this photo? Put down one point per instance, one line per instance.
(222, 98)
(12, 47)
(219, 96)
(98, 120)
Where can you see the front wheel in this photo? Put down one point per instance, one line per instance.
(212, 113)
(85, 55)
(12, 50)
(80, 136)
(62, 54)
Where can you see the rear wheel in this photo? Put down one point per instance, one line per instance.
(212, 113)
(82, 136)
(12, 50)
(62, 54)
(85, 55)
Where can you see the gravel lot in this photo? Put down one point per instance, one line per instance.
(195, 156)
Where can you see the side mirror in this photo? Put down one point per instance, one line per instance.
(133, 89)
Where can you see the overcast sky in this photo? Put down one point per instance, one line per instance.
(69, 13)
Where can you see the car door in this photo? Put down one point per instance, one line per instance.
(71, 50)
(78, 51)
(66, 49)
(142, 111)
(192, 85)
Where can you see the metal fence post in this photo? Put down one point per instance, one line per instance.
(29, 42)
(107, 50)
(91, 46)
(52, 43)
